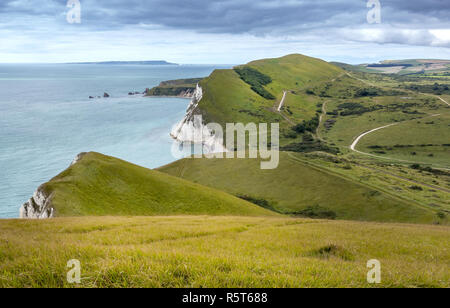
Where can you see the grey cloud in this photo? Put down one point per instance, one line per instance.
(256, 17)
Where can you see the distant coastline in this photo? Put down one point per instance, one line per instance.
(128, 63)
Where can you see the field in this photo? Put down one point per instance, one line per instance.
(414, 141)
(202, 251)
(301, 182)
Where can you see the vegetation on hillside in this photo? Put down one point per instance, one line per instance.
(298, 184)
(175, 87)
(255, 79)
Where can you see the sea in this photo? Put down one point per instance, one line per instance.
(47, 118)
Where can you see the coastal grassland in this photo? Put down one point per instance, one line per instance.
(100, 185)
(301, 187)
(228, 98)
(294, 72)
(352, 117)
(205, 251)
(174, 87)
(424, 186)
(426, 141)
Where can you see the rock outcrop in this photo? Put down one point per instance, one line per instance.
(40, 204)
(78, 158)
(38, 207)
(191, 128)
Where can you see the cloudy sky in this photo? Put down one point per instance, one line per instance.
(222, 31)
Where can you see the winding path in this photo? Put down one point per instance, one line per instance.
(358, 139)
(282, 101)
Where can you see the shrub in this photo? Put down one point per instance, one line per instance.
(317, 212)
(256, 80)
(259, 201)
(415, 187)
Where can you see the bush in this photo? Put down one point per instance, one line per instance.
(308, 126)
(256, 80)
(415, 187)
(317, 212)
(258, 201)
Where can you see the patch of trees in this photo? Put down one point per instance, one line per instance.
(308, 126)
(430, 170)
(260, 202)
(256, 80)
(349, 91)
(316, 212)
(436, 88)
(308, 145)
(348, 109)
(389, 65)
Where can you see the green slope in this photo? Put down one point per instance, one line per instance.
(229, 99)
(102, 185)
(174, 87)
(295, 186)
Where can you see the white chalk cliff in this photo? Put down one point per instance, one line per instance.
(38, 207)
(192, 129)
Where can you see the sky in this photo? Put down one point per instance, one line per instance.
(222, 31)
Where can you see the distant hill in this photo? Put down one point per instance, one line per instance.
(401, 67)
(179, 88)
(128, 63)
(98, 185)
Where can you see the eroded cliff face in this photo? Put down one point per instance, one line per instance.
(192, 129)
(38, 207)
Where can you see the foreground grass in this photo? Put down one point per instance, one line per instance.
(203, 251)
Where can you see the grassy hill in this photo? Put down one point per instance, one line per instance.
(299, 187)
(101, 185)
(231, 97)
(179, 87)
(429, 67)
(199, 251)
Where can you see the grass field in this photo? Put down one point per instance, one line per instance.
(296, 184)
(101, 185)
(426, 141)
(202, 251)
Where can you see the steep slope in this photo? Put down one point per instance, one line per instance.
(229, 97)
(99, 185)
(300, 188)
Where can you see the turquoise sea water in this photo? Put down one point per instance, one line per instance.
(46, 119)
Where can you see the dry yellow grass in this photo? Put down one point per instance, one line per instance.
(204, 251)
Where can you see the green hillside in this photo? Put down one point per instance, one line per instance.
(298, 187)
(228, 97)
(179, 87)
(101, 185)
